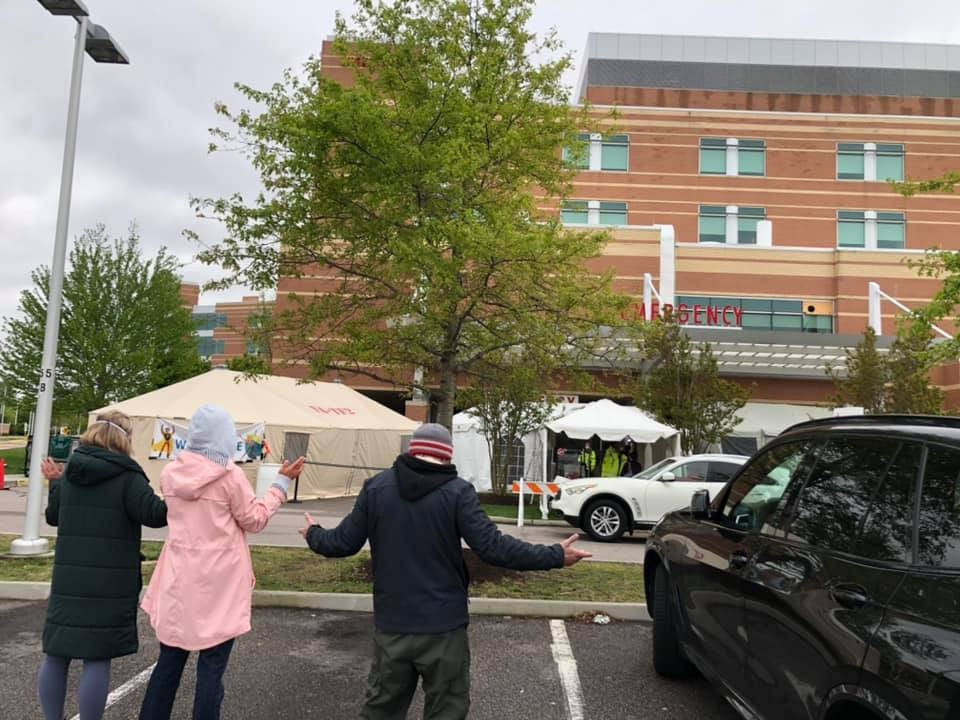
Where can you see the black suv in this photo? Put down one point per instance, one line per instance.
(823, 583)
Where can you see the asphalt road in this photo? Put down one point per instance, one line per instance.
(310, 664)
(282, 529)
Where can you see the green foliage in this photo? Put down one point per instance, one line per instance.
(508, 408)
(413, 193)
(866, 376)
(680, 385)
(250, 364)
(944, 184)
(897, 382)
(123, 330)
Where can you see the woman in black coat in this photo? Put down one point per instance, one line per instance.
(98, 504)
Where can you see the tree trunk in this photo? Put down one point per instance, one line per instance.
(448, 392)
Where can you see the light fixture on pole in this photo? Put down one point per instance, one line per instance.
(100, 46)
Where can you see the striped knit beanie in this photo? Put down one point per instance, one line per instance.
(434, 440)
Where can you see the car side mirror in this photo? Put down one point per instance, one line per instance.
(700, 504)
(668, 477)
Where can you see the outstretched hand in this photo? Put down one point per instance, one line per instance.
(50, 469)
(571, 555)
(310, 523)
(292, 469)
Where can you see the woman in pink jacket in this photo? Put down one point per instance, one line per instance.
(200, 595)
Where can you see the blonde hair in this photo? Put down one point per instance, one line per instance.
(111, 430)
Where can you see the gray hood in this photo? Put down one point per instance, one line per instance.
(213, 435)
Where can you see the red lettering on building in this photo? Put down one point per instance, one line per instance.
(708, 315)
(697, 312)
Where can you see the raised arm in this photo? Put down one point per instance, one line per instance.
(253, 513)
(495, 548)
(346, 538)
(143, 505)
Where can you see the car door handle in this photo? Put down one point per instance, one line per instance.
(850, 596)
(738, 560)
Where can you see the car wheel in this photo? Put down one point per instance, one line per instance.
(668, 658)
(605, 520)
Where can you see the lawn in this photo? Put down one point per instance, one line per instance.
(530, 512)
(14, 459)
(300, 570)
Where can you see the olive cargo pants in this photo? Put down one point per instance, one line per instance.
(442, 660)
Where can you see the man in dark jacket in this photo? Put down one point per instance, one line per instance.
(414, 515)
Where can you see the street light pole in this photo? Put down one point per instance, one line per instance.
(31, 543)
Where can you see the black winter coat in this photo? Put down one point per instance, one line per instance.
(414, 515)
(98, 506)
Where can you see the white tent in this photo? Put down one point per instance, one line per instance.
(761, 422)
(471, 453)
(348, 437)
(612, 423)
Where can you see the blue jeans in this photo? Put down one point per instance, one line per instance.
(165, 680)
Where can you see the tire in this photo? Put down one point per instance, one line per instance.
(605, 520)
(668, 658)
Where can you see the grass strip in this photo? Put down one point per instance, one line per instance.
(298, 569)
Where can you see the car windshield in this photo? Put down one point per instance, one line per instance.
(655, 469)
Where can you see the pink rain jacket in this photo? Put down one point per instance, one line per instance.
(202, 588)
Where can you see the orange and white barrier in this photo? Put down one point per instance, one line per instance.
(537, 488)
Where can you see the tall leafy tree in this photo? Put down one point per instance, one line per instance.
(508, 407)
(897, 381)
(864, 383)
(414, 195)
(680, 385)
(124, 329)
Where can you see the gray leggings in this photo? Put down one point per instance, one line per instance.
(91, 695)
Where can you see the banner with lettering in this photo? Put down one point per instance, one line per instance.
(170, 437)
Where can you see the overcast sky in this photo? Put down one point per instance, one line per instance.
(143, 128)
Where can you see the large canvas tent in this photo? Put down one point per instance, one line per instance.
(348, 437)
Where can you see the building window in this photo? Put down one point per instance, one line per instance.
(574, 212)
(732, 156)
(870, 161)
(599, 152)
(593, 212)
(578, 156)
(747, 219)
(756, 313)
(871, 230)
(208, 347)
(209, 320)
(614, 152)
(713, 224)
(613, 213)
(730, 224)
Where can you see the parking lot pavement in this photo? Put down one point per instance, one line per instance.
(312, 664)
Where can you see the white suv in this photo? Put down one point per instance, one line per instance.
(606, 507)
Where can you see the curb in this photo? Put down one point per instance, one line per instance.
(538, 523)
(354, 602)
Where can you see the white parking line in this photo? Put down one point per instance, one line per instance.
(125, 689)
(567, 667)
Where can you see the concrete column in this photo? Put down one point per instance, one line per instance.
(733, 156)
(870, 229)
(596, 148)
(874, 316)
(869, 161)
(732, 225)
(668, 264)
(764, 233)
(593, 212)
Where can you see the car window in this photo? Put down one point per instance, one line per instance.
(654, 469)
(939, 527)
(691, 471)
(721, 472)
(759, 490)
(854, 475)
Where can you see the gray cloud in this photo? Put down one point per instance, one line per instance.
(143, 128)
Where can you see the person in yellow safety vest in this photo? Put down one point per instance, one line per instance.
(588, 461)
(614, 462)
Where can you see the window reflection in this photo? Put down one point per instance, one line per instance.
(940, 509)
(757, 493)
(858, 498)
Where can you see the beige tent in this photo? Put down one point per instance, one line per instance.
(348, 437)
